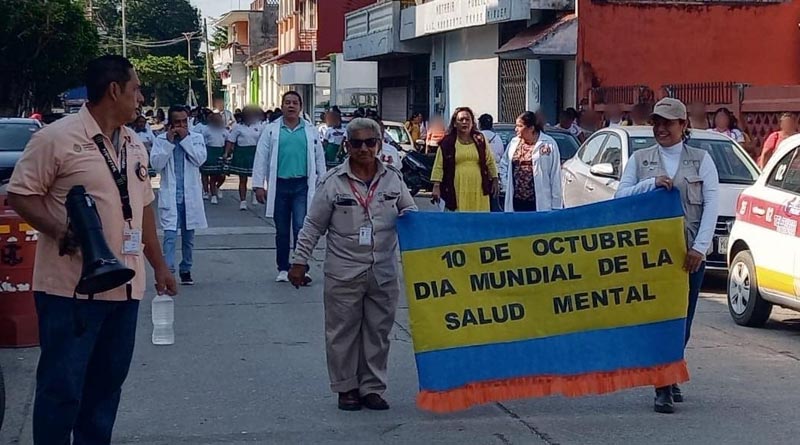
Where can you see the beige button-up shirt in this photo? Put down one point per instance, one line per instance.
(336, 210)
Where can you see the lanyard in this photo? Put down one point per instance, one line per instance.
(119, 174)
(360, 198)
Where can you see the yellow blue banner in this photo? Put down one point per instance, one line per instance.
(586, 300)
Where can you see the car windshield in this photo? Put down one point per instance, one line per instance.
(732, 163)
(567, 144)
(14, 137)
(399, 134)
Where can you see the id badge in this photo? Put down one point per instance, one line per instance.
(365, 236)
(132, 241)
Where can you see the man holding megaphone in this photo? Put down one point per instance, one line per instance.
(82, 182)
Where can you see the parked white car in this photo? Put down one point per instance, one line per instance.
(593, 173)
(400, 135)
(764, 248)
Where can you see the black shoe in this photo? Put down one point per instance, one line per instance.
(186, 278)
(349, 401)
(677, 396)
(374, 402)
(664, 402)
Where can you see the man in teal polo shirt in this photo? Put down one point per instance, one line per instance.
(289, 174)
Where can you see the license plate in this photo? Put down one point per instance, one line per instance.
(722, 245)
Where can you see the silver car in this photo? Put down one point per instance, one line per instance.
(593, 173)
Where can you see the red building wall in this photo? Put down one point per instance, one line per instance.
(653, 45)
(330, 16)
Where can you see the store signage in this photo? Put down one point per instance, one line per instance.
(448, 15)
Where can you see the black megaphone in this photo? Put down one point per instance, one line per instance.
(102, 271)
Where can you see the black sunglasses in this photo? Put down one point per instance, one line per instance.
(358, 143)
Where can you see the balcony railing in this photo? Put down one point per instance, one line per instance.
(229, 55)
(705, 92)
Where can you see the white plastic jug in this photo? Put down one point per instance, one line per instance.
(163, 311)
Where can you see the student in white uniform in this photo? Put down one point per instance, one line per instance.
(673, 164)
(493, 140)
(215, 135)
(144, 133)
(333, 138)
(242, 142)
(388, 154)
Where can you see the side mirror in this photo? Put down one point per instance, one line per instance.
(603, 171)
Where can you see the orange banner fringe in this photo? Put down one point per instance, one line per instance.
(540, 386)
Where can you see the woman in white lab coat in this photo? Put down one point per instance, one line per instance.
(530, 170)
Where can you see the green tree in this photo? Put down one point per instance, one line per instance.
(219, 39)
(164, 78)
(149, 21)
(44, 47)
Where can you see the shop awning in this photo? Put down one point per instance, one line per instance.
(555, 40)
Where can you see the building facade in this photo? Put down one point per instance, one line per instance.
(653, 44)
(310, 35)
(500, 57)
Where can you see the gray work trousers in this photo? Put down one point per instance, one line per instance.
(358, 318)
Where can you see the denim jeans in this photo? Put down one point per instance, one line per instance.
(291, 197)
(187, 243)
(81, 370)
(695, 282)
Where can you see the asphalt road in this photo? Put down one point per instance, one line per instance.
(248, 366)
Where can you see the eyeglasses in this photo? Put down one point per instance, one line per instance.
(359, 143)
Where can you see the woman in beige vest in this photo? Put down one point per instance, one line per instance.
(673, 163)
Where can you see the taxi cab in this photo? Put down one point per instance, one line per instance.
(764, 245)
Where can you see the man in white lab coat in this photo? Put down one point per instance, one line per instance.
(178, 155)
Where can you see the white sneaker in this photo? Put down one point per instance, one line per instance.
(219, 194)
(283, 277)
(214, 200)
(243, 205)
(255, 200)
(205, 196)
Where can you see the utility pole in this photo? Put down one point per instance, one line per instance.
(313, 107)
(124, 32)
(209, 90)
(188, 36)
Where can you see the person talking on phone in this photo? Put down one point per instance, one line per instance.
(357, 205)
(178, 155)
(87, 340)
(672, 163)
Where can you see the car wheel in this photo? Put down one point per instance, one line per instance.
(744, 301)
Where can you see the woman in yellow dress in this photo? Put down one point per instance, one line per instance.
(464, 173)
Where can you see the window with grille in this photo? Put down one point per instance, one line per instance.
(513, 94)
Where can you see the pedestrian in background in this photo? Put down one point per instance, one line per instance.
(435, 132)
(530, 170)
(178, 155)
(389, 153)
(698, 119)
(495, 142)
(613, 116)
(215, 136)
(464, 173)
(640, 114)
(242, 142)
(357, 206)
(288, 165)
(674, 164)
(725, 123)
(87, 343)
(788, 127)
(144, 133)
(333, 138)
(414, 126)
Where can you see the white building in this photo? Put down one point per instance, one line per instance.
(500, 57)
